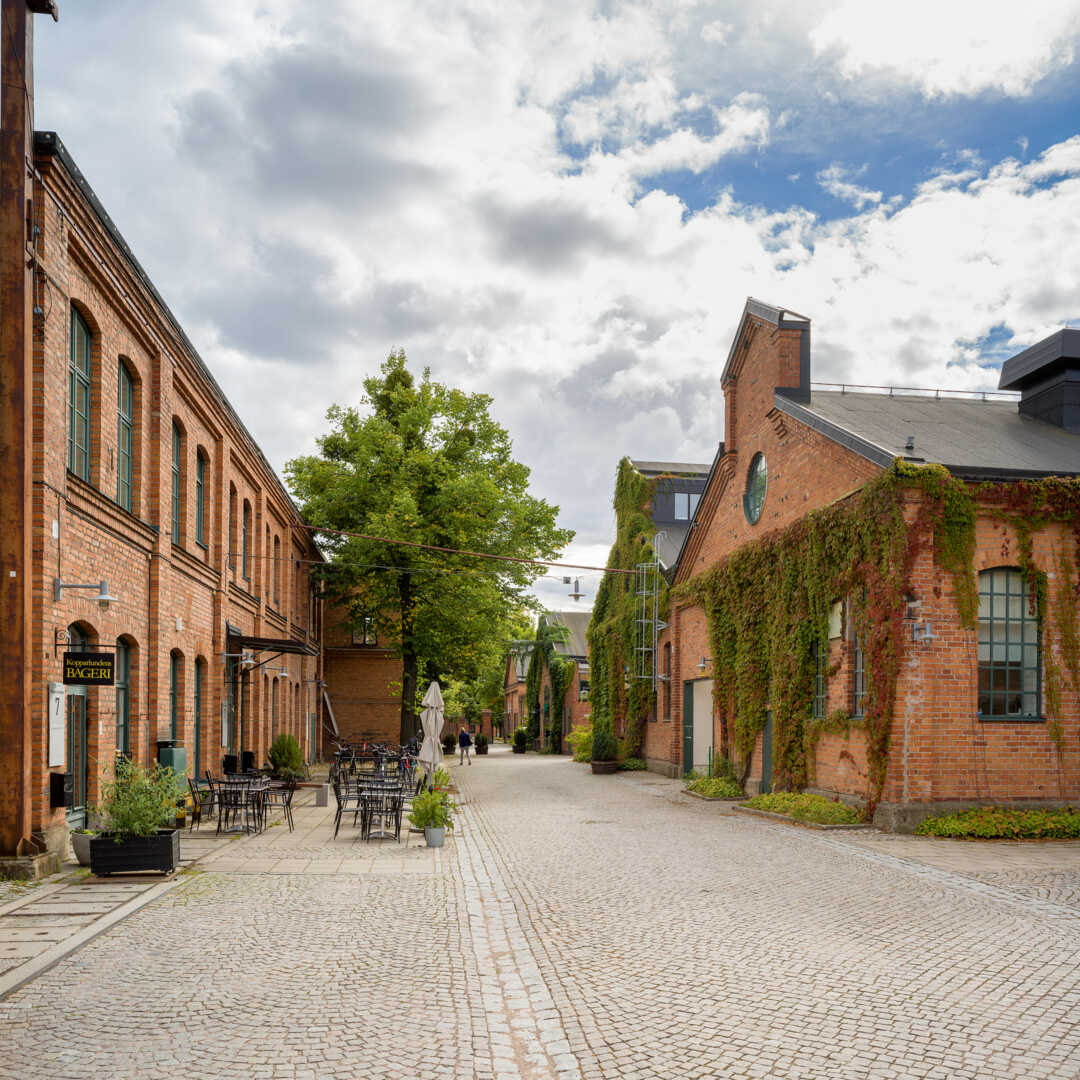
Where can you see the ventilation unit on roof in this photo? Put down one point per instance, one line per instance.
(1048, 378)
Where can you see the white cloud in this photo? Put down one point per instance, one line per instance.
(838, 182)
(716, 32)
(955, 46)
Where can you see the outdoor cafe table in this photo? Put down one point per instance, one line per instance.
(242, 795)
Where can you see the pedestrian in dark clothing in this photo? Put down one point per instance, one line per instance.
(464, 741)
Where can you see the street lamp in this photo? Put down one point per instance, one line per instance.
(103, 598)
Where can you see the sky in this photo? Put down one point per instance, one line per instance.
(565, 205)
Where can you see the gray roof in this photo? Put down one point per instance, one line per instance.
(577, 622)
(971, 437)
(668, 543)
(652, 469)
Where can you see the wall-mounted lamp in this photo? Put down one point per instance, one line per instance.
(103, 598)
(923, 632)
(703, 663)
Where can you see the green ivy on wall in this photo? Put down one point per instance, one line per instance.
(768, 603)
(560, 672)
(613, 626)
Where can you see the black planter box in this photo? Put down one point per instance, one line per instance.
(518, 749)
(161, 853)
(482, 749)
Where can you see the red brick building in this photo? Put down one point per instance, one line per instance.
(515, 714)
(363, 678)
(124, 464)
(974, 715)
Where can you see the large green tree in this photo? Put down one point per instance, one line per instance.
(427, 464)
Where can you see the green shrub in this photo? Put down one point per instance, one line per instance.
(721, 768)
(605, 747)
(449, 743)
(633, 764)
(286, 756)
(994, 822)
(716, 787)
(481, 742)
(432, 810)
(521, 738)
(692, 775)
(801, 806)
(139, 801)
(580, 740)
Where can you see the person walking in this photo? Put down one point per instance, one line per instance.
(464, 741)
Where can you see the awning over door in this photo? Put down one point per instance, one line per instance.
(266, 644)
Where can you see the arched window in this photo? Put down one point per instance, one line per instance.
(79, 397)
(200, 497)
(245, 542)
(197, 709)
(267, 568)
(125, 437)
(277, 567)
(122, 683)
(667, 681)
(176, 692)
(232, 525)
(1010, 656)
(177, 482)
(273, 710)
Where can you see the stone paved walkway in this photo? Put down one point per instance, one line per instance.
(576, 927)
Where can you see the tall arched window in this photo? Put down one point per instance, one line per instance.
(245, 542)
(1010, 656)
(277, 567)
(176, 692)
(273, 709)
(122, 683)
(232, 525)
(200, 497)
(79, 397)
(177, 480)
(125, 427)
(197, 709)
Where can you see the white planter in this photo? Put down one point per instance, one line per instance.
(435, 837)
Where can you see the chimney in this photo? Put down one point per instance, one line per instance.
(1048, 378)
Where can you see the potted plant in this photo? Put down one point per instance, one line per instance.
(521, 740)
(605, 748)
(286, 757)
(137, 811)
(449, 743)
(80, 844)
(433, 812)
(481, 744)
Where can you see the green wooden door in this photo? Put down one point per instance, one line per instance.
(766, 755)
(687, 727)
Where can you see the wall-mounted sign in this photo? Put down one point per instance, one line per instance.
(88, 669)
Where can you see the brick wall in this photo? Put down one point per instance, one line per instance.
(175, 595)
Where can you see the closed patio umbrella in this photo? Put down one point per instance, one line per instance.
(431, 720)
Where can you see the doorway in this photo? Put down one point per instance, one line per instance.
(767, 755)
(697, 724)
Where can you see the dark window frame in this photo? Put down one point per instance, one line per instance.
(245, 541)
(80, 388)
(125, 436)
(201, 461)
(821, 682)
(177, 482)
(1000, 610)
(366, 632)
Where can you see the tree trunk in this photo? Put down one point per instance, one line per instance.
(408, 724)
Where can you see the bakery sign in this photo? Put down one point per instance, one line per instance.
(88, 669)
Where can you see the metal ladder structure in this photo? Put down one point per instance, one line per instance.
(648, 621)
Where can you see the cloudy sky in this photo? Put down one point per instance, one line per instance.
(566, 204)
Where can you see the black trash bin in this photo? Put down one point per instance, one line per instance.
(249, 761)
(229, 763)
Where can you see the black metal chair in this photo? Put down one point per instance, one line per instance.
(348, 799)
(202, 799)
(282, 795)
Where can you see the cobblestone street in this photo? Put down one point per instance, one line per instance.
(577, 926)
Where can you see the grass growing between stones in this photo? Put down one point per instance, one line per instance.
(801, 806)
(1004, 823)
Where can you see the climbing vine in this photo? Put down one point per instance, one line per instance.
(767, 604)
(614, 694)
(560, 675)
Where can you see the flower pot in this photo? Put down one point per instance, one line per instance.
(482, 749)
(602, 768)
(135, 853)
(435, 837)
(80, 844)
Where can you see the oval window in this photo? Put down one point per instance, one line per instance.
(757, 481)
